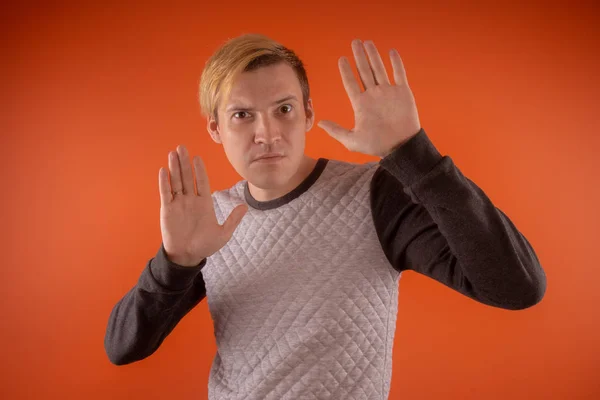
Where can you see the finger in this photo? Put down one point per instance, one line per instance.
(234, 220)
(175, 172)
(164, 187)
(362, 64)
(187, 177)
(381, 76)
(338, 132)
(348, 79)
(398, 67)
(202, 185)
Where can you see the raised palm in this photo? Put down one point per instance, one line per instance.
(188, 223)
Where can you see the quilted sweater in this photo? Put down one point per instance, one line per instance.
(304, 297)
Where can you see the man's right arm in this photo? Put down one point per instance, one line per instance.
(142, 319)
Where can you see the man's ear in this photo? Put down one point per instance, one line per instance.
(310, 115)
(213, 128)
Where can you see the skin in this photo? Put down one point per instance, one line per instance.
(385, 112)
(265, 114)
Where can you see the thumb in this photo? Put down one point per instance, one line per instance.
(234, 220)
(334, 130)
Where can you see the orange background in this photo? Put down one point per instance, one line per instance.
(94, 98)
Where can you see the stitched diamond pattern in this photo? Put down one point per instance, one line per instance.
(302, 298)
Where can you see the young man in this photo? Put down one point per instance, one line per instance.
(300, 261)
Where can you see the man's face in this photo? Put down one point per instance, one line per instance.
(264, 114)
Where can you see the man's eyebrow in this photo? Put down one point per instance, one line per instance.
(241, 108)
(290, 97)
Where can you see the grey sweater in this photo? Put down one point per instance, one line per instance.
(304, 297)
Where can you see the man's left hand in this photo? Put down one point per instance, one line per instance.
(385, 114)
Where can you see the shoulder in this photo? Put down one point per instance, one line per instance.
(338, 169)
(227, 199)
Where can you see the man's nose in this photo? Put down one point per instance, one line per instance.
(267, 131)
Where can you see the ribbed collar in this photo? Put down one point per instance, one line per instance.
(280, 201)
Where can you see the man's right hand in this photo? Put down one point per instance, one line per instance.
(188, 223)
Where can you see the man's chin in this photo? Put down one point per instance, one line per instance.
(268, 179)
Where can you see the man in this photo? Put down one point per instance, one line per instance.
(300, 261)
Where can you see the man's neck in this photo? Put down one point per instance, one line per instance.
(307, 166)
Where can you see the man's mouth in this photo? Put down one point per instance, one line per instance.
(269, 156)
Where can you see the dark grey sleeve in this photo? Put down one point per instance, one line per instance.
(432, 219)
(142, 319)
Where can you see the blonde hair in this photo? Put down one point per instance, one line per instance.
(243, 53)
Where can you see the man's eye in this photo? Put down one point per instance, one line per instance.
(286, 108)
(240, 114)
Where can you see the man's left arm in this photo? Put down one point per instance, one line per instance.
(429, 217)
(432, 219)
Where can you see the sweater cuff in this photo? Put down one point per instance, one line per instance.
(171, 276)
(412, 160)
